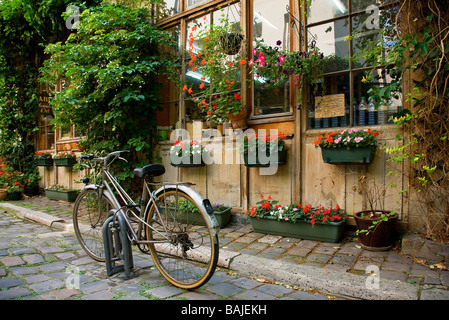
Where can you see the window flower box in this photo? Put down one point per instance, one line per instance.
(64, 159)
(349, 146)
(352, 155)
(253, 144)
(44, 159)
(187, 154)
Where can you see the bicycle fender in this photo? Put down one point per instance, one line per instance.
(211, 219)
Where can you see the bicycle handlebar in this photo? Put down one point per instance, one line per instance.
(115, 154)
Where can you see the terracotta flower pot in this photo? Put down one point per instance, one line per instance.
(238, 120)
(3, 194)
(380, 237)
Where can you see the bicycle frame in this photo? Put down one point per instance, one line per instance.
(109, 179)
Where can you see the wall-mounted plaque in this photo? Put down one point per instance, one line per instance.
(330, 106)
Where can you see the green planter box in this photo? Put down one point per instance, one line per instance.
(223, 217)
(331, 232)
(188, 162)
(15, 196)
(44, 162)
(281, 160)
(68, 196)
(66, 162)
(362, 155)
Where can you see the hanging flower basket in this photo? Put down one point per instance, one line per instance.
(231, 43)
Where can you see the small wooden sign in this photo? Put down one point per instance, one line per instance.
(330, 106)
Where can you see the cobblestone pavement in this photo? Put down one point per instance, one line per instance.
(42, 263)
(346, 257)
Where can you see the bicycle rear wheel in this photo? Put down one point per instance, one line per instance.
(189, 258)
(89, 215)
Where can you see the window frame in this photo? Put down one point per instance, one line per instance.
(351, 71)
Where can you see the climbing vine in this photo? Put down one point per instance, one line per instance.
(417, 47)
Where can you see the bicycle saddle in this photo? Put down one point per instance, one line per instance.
(151, 170)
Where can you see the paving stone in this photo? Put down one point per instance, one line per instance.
(33, 258)
(253, 295)
(101, 295)
(18, 251)
(46, 250)
(274, 290)
(299, 251)
(95, 286)
(318, 258)
(245, 283)
(246, 239)
(392, 275)
(23, 270)
(10, 282)
(164, 292)
(12, 261)
(61, 294)
(130, 288)
(37, 278)
(395, 266)
(54, 266)
(269, 239)
(325, 250)
(435, 294)
(14, 293)
(344, 259)
(47, 285)
(304, 295)
(272, 253)
(224, 289)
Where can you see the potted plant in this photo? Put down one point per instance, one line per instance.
(257, 150)
(3, 191)
(62, 193)
(14, 192)
(375, 226)
(32, 183)
(215, 59)
(44, 158)
(188, 153)
(222, 214)
(318, 223)
(348, 146)
(64, 158)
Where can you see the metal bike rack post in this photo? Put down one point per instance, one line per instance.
(117, 246)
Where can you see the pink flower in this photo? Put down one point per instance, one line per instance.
(281, 58)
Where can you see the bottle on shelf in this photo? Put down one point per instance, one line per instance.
(371, 111)
(392, 109)
(363, 110)
(354, 113)
(382, 113)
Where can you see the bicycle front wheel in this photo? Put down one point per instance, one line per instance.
(185, 246)
(89, 214)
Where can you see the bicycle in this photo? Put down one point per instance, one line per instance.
(172, 223)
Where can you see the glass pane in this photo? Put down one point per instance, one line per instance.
(330, 39)
(192, 3)
(271, 23)
(366, 32)
(337, 96)
(382, 109)
(321, 10)
(364, 5)
(168, 8)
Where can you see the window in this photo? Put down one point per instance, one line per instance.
(270, 22)
(46, 135)
(329, 24)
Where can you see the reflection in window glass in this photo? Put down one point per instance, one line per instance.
(365, 33)
(168, 8)
(364, 5)
(192, 3)
(271, 23)
(321, 10)
(330, 38)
